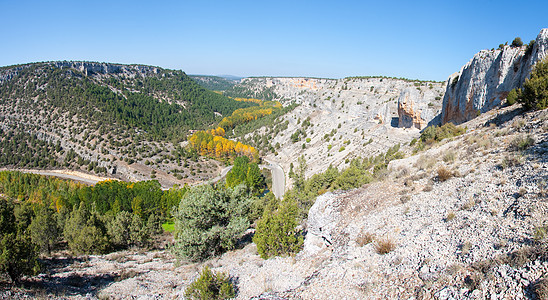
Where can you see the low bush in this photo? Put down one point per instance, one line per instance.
(521, 143)
(513, 96)
(435, 133)
(540, 288)
(384, 246)
(209, 221)
(365, 238)
(210, 286)
(444, 174)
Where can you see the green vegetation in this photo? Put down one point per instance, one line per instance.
(23, 150)
(213, 83)
(389, 77)
(276, 232)
(210, 221)
(245, 172)
(517, 42)
(521, 143)
(168, 226)
(210, 286)
(529, 48)
(534, 94)
(241, 90)
(513, 96)
(245, 115)
(18, 255)
(433, 134)
(134, 104)
(92, 219)
(271, 121)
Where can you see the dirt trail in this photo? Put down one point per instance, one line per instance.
(65, 174)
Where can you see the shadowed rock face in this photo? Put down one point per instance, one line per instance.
(487, 79)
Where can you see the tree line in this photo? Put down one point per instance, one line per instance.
(208, 143)
(245, 115)
(39, 212)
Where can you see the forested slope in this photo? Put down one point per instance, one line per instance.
(104, 114)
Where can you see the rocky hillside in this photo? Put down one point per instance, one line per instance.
(463, 219)
(336, 120)
(485, 81)
(110, 119)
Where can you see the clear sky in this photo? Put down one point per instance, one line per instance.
(413, 39)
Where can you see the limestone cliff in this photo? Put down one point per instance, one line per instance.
(487, 78)
(415, 110)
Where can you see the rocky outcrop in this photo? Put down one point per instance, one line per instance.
(485, 81)
(414, 110)
(87, 68)
(91, 68)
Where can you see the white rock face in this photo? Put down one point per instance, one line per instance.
(487, 79)
(322, 220)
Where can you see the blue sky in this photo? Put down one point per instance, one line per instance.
(413, 39)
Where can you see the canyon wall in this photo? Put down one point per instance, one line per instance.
(485, 81)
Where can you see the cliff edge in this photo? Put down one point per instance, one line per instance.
(487, 79)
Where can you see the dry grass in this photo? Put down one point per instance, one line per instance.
(450, 156)
(365, 238)
(450, 216)
(540, 288)
(444, 174)
(425, 162)
(468, 205)
(465, 248)
(510, 161)
(384, 245)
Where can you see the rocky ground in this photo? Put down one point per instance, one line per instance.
(477, 231)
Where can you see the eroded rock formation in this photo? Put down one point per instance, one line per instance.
(485, 81)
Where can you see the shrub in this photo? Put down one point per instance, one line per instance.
(444, 174)
(521, 143)
(435, 133)
(513, 96)
(276, 232)
(43, 229)
(85, 231)
(517, 42)
(210, 221)
(384, 246)
(365, 238)
(126, 229)
(529, 48)
(210, 286)
(534, 94)
(17, 254)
